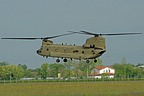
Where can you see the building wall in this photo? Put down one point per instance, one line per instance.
(105, 70)
(99, 77)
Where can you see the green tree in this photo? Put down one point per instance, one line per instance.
(68, 65)
(27, 73)
(3, 72)
(121, 70)
(17, 71)
(11, 72)
(138, 73)
(24, 66)
(128, 71)
(76, 69)
(55, 69)
(3, 63)
(98, 63)
(43, 71)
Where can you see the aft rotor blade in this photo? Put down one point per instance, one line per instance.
(109, 34)
(121, 34)
(89, 33)
(84, 32)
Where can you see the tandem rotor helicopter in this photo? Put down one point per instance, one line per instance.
(93, 47)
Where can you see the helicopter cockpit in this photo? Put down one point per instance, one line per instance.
(47, 42)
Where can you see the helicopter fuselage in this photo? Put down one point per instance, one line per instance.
(93, 48)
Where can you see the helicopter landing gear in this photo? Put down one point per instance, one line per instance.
(87, 61)
(95, 60)
(57, 60)
(65, 60)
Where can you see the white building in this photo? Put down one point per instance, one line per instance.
(142, 66)
(102, 71)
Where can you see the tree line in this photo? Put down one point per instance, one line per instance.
(76, 69)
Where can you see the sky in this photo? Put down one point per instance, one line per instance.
(42, 18)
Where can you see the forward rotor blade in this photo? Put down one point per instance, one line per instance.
(34, 38)
(58, 35)
(23, 38)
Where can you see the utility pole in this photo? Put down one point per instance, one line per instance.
(10, 76)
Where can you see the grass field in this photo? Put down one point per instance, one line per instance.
(103, 88)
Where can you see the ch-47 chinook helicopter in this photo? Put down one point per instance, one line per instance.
(94, 47)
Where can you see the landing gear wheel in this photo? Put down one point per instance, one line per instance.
(65, 60)
(87, 61)
(57, 60)
(95, 60)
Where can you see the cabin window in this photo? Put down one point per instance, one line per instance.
(56, 50)
(65, 50)
(93, 52)
(75, 51)
(82, 52)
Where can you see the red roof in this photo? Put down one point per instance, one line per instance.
(102, 67)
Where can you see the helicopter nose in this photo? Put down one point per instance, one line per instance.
(38, 51)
